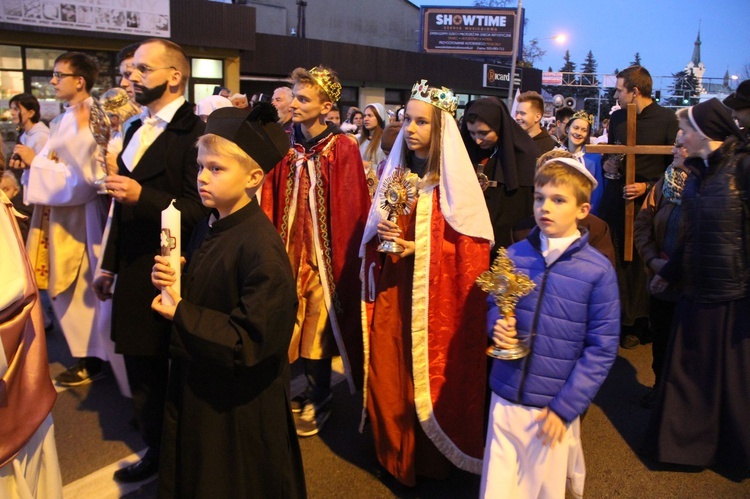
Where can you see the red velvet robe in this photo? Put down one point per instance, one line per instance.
(341, 203)
(425, 344)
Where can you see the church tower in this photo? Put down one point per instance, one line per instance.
(696, 65)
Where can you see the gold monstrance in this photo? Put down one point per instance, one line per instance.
(100, 127)
(506, 286)
(397, 196)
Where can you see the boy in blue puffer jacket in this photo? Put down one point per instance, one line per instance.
(571, 323)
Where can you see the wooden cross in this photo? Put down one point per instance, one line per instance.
(630, 149)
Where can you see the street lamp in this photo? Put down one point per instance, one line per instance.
(559, 38)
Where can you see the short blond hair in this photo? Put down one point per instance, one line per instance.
(214, 144)
(558, 173)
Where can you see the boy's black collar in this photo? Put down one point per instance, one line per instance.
(222, 224)
(299, 137)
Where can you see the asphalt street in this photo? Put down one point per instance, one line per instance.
(94, 438)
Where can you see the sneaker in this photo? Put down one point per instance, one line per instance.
(313, 417)
(82, 372)
(298, 403)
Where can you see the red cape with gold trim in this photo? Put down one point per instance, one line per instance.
(447, 331)
(339, 179)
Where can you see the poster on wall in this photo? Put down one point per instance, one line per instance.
(133, 17)
(470, 31)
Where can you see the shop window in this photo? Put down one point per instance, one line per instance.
(41, 59)
(10, 57)
(11, 83)
(207, 68)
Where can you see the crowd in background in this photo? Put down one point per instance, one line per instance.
(93, 183)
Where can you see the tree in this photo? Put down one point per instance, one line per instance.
(568, 67)
(684, 85)
(637, 60)
(588, 77)
(531, 53)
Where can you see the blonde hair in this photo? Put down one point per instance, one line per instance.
(214, 144)
(12, 180)
(558, 173)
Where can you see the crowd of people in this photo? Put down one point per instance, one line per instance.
(305, 237)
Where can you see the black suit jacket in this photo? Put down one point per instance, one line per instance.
(166, 171)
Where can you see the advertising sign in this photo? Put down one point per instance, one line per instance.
(134, 17)
(469, 31)
(552, 78)
(499, 77)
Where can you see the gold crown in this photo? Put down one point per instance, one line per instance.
(441, 98)
(582, 115)
(111, 104)
(324, 78)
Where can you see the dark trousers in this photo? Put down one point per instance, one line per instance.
(661, 313)
(148, 377)
(318, 374)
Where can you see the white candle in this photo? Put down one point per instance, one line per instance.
(170, 246)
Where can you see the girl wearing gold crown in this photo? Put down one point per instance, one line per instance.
(424, 345)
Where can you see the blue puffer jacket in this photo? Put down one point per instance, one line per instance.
(571, 321)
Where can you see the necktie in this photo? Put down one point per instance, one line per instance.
(147, 133)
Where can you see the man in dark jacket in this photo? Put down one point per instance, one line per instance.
(157, 164)
(655, 125)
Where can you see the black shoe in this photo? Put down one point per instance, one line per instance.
(140, 471)
(629, 341)
(82, 372)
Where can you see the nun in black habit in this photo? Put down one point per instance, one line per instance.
(702, 405)
(505, 170)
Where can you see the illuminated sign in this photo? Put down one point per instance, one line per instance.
(476, 32)
(494, 76)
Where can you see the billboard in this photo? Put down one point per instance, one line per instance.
(133, 17)
(469, 31)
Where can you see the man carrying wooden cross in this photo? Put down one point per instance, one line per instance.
(654, 126)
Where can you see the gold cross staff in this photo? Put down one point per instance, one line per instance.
(630, 149)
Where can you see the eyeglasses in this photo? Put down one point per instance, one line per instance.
(60, 76)
(143, 70)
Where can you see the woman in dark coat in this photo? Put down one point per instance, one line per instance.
(702, 408)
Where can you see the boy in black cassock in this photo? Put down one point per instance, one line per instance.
(228, 427)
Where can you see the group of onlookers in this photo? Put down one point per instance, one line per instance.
(307, 238)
